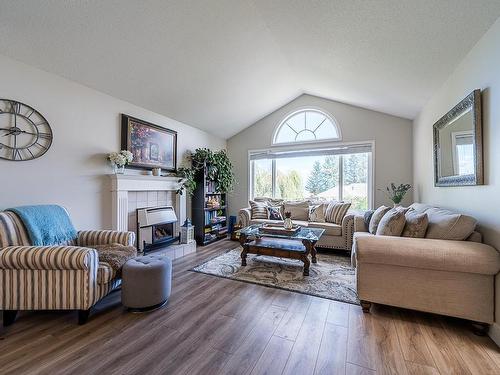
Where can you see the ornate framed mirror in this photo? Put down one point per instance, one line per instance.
(458, 144)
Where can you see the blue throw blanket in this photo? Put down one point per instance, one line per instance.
(46, 224)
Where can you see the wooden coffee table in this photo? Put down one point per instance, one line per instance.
(297, 246)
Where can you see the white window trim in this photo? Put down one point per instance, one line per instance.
(303, 147)
(302, 109)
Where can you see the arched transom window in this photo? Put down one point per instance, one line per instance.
(306, 125)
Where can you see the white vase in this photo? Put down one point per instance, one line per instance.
(287, 223)
(118, 169)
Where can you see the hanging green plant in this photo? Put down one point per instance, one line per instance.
(218, 169)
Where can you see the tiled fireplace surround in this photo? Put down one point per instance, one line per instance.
(130, 192)
(142, 199)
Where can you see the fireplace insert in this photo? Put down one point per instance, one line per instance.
(155, 227)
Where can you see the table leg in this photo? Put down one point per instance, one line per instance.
(307, 263)
(313, 252)
(310, 249)
(244, 245)
(305, 258)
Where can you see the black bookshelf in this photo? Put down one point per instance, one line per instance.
(209, 211)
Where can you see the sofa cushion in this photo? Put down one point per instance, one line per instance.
(336, 211)
(376, 217)
(392, 223)
(299, 210)
(331, 229)
(432, 254)
(317, 212)
(448, 225)
(416, 224)
(259, 210)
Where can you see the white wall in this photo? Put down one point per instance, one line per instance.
(480, 69)
(392, 136)
(86, 126)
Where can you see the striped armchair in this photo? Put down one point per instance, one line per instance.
(68, 276)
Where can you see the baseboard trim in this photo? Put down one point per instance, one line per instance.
(494, 333)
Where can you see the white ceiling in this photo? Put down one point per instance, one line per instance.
(221, 65)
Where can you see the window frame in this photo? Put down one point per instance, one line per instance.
(309, 147)
(305, 109)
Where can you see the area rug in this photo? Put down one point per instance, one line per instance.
(332, 277)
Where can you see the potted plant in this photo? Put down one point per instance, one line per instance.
(219, 170)
(396, 193)
(119, 160)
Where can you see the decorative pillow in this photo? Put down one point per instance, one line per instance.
(317, 213)
(299, 210)
(392, 223)
(367, 217)
(336, 211)
(404, 209)
(274, 213)
(416, 224)
(376, 217)
(259, 210)
(449, 225)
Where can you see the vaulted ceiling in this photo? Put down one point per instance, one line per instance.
(221, 65)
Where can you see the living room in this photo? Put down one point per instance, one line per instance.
(249, 187)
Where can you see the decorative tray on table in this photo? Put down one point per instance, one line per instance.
(278, 229)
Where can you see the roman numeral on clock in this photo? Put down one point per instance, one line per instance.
(16, 154)
(45, 135)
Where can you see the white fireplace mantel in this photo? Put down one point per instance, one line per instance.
(121, 185)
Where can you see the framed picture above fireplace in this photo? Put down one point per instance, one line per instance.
(151, 145)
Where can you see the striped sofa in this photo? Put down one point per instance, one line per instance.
(68, 276)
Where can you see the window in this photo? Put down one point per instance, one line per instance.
(341, 173)
(463, 152)
(308, 125)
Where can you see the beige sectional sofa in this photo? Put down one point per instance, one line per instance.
(452, 277)
(338, 237)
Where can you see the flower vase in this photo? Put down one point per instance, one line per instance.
(396, 205)
(118, 169)
(287, 223)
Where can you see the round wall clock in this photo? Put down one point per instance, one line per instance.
(24, 133)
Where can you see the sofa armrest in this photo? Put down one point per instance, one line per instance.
(348, 229)
(244, 216)
(426, 253)
(359, 224)
(48, 258)
(105, 237)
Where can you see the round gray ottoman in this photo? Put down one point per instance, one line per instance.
(146, 282)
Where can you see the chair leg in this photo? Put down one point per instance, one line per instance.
(83, 316)
(9, 317)
(480, 329)
(365, 305)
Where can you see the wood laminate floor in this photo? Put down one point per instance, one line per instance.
(219, 326)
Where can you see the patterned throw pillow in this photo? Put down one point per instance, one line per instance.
(317, 213)
(274, 213)
(336, 211)
(376, 217)
(259, 210)
(416, 224)
(367, 217)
